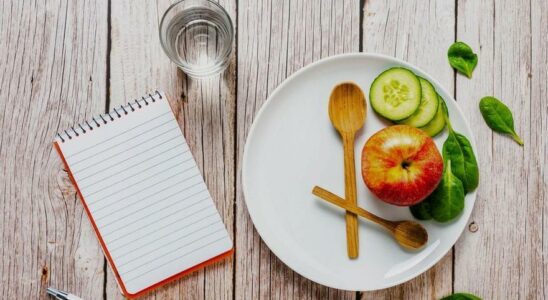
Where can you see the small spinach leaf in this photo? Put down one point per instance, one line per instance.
(421, 211)
(462, 58)
(447, 200)
(461, 296)
(498, 117)
(458, 150)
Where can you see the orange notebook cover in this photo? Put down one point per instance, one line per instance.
(144, 194)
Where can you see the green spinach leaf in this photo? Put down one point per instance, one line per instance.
(447, 200)
(458, 150)
(461, 296)
(421, 211)
(498, 117)
(462, 58)
(460, 175)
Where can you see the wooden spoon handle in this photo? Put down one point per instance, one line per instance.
(352, 237)
(338, 201)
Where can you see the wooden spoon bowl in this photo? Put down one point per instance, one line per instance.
(410, 234)
(347, 108)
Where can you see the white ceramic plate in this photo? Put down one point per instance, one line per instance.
(292, 147)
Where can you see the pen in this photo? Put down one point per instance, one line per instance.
(58, 294)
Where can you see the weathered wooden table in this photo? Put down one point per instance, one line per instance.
(63, 61)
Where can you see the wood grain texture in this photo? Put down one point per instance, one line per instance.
(205, 112)
(419, 32)
(275, 39)
(347, 110)
(507, 255)
(64, 61)
(52, 74)
(409, 234)
(537, 188)
(257, 28)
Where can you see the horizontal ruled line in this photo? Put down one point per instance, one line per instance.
(143, 218)
(121, 133)
(156, 183)
(158, 201)
(155, 192)
(121, 218)
(133, 175)
(165, 244)
(125, 141)
(155, 165)
(176, 249)
(114, 249)
(136, 164)
(169, 215)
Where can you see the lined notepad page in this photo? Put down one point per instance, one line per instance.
(146, 195)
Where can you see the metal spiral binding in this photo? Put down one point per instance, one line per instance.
(103, 119)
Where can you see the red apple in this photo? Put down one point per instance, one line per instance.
(401, 165)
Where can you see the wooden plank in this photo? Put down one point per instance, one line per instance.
(276, 38)
(537, 187)
(505, 258)
(419, 32)
(205, 111)
(52, 74)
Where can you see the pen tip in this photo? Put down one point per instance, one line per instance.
(52, 291)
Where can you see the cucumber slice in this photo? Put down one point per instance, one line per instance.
(428, 107)
(437, 124)
(395, 94)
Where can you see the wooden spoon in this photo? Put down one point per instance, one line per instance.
(408, 234)
(347, 110)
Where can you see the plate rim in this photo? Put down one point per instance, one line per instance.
(269, 101)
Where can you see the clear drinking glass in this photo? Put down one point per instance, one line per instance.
(197, 35)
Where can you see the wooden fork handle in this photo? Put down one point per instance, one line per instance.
(338, 201)
(352, 237)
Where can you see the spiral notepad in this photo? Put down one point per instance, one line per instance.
(144, 194)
